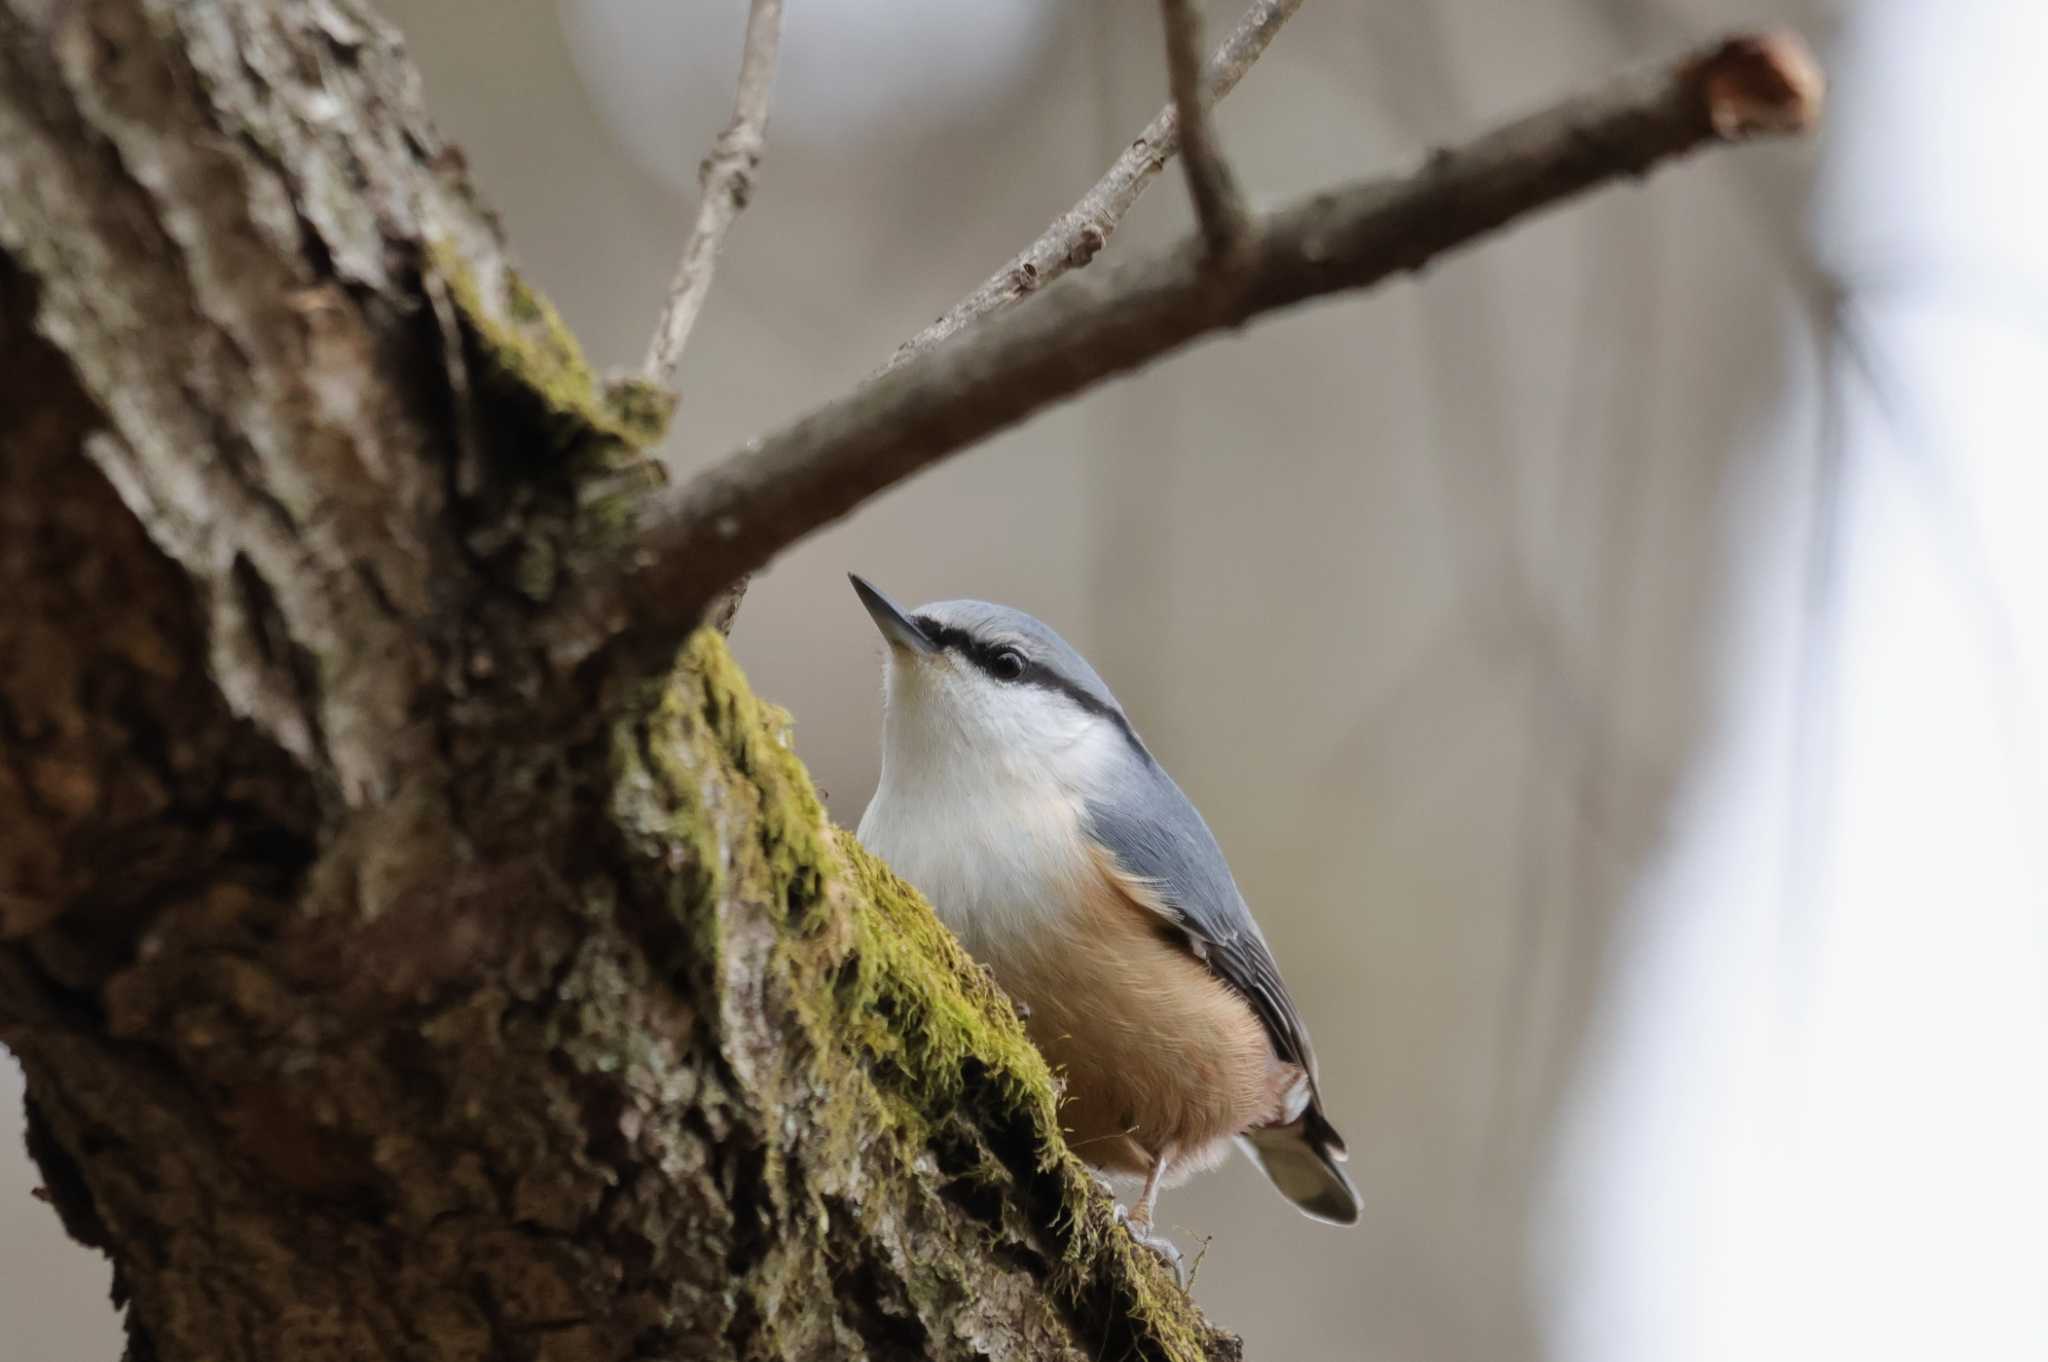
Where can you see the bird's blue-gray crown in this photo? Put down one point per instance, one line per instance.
(1001, 640)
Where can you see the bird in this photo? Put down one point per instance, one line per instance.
(1016, 795)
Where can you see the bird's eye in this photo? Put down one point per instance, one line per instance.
(1007, 664)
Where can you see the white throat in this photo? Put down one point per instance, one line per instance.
(981, 800)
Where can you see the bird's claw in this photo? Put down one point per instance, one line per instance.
(1167, 1254)
(1163, 1248)
(1017, 1005)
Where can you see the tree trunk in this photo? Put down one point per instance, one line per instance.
(397, 973)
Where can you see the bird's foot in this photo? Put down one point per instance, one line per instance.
(1017, 1005)
(1144, 1236)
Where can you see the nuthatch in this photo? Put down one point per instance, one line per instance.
(1016, 795)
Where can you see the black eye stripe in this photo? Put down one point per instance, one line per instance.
(982, 654)
(952, 639)
(957, 640)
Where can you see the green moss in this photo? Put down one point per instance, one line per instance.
(640, 409)
(782, 814)
(523, 339)
(565, 464)
(919, 1005)
(705, 768)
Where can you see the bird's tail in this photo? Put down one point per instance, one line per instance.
(1301, 1158)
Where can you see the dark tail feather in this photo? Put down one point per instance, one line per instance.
(1301, 1158)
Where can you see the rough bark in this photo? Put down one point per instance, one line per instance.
(386, 985)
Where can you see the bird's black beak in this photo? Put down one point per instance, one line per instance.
(890, 619)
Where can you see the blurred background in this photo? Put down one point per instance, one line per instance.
(1614, 663)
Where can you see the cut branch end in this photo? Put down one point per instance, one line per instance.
(1757, 85)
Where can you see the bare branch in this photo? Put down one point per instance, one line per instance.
(740, 512)
(1075, 236)
(1219, 208)
(726, 181)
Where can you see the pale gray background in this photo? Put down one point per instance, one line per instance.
(1636, 773)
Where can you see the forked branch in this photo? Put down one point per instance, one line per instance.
(743, 510)
(1219, 207)
(1077, 235)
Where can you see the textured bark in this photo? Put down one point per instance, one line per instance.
(392, 979)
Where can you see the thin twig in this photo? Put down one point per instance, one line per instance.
(1075, 236)
(741, 511)
(1219, 208)
(726, 181)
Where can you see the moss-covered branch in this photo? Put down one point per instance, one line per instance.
(913, 1072)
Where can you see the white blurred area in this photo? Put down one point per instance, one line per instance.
(1814, 1119)
(1620, 692)
(848, 74)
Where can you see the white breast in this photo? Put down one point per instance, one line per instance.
(984, 814)
(982, 799)
(1002, 862)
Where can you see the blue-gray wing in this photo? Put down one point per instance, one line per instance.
(1159, 838)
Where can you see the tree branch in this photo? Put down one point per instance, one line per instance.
(739, 513)
(1219, 207)
(1077, 235)
(727, 181)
